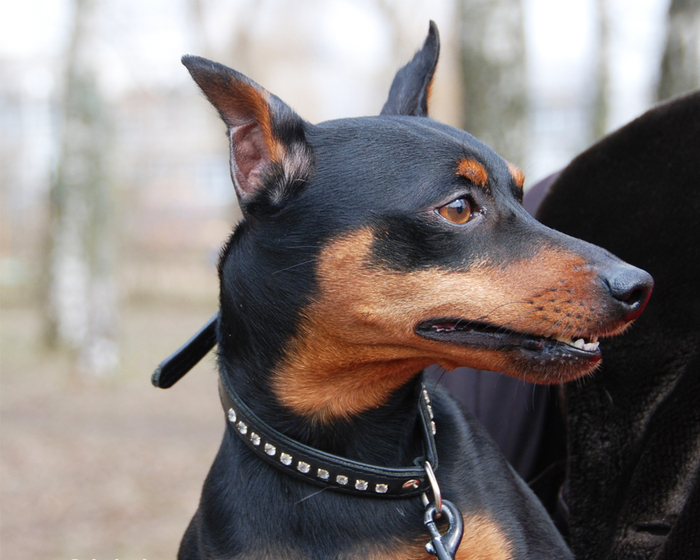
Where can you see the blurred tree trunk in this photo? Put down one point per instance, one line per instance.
(680, 66)
(601, 106)
(197, 10)
(494, 80)
(81, 284)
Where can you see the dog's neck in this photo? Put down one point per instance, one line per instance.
(386, 436)
(263, 292)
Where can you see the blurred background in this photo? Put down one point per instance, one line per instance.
(115, 200)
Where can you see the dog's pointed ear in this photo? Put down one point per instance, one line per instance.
(269, 151)
(410, 89)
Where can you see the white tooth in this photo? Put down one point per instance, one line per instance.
(579, 343)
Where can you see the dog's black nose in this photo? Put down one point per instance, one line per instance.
(631, 287)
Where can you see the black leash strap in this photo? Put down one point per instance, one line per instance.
(175, 366)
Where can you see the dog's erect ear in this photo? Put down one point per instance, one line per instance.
(268, 145)
(410, 89)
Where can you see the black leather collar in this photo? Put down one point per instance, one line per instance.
(299, 460)
(328, 470)
(175, 366)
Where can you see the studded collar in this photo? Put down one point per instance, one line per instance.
(325, 469)
(299, 460)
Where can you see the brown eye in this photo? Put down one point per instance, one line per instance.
(458, 211)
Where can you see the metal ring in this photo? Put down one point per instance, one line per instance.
(434, 485)
(424, 499)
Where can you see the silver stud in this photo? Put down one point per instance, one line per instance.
(361, 484)
(270, 449)
(303, 467)
(242, 427)
(285, 459)
(341, 479)
(254, 438)
(381, 488)
(323, 474)
(430, 412)
(413, 483)
(231, 415)
(433, 429)
(426, 396)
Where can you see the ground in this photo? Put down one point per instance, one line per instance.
(102, 469)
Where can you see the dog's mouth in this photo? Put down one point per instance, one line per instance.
(481, 335)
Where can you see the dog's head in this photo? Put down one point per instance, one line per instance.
(373, 247)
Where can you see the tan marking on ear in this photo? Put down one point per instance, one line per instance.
(257, 104)
(517, 174)
(473, 171)
(483, 540)
(356, 344)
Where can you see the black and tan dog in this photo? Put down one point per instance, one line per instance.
(371, 248)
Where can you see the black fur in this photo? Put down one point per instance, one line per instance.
(388, 174)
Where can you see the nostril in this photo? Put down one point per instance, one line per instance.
(635, 297)
(630, 286)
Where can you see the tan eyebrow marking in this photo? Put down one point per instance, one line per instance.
(518, 176)
(472, 170)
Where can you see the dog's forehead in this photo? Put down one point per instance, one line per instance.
(400, 152)
(400, 136)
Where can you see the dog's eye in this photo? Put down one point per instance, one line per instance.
(458, 211)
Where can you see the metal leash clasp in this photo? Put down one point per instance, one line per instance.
(443, 546)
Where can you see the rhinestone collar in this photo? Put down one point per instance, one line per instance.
(325, 469)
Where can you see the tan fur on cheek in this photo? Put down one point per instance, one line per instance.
(356, 343)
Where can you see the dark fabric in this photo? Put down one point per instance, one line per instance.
(634, 426)
(684, 539)
(535, 195)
